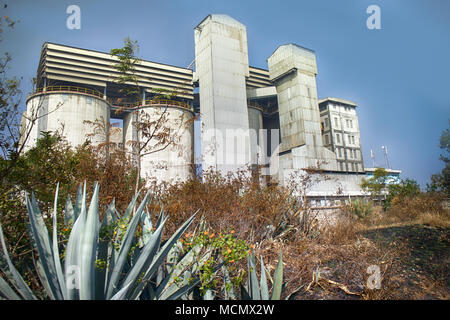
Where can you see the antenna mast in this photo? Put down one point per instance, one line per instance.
(372, 155)
(386, 157)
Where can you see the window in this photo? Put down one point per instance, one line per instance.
(336, 122)
(338, 138)
(351, 139)
(351, 123)
(342, 166)
(353, 166)
(340, 152)
(88, 100)
(327, 141)
(326, 122)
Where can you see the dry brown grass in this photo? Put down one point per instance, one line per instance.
(321, 261)
(426, 209)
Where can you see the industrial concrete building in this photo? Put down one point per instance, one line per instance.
(77, 86)
(249, 116)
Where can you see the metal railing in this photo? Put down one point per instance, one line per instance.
(68, 89)
(116, 102)
(151, 102)
(254, 105)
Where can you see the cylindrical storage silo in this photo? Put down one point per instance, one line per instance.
(78, 116)
(166, 140)
(257, 143)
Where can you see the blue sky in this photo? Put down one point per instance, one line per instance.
(399, 75)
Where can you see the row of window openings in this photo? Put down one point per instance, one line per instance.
(352, 154)
(350, 139)
(348, 123)
(351, 166)
(347, 109)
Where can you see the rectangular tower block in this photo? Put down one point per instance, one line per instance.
(293, 70)
(221, 68)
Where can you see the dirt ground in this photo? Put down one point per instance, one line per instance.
(418, 267)
(424, 271)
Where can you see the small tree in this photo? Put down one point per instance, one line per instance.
(15, 127)
(154, 133)
(440, 182)
(405, 189)
(376, 185)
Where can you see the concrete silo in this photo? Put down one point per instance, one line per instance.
(166, 128)
(257, 139)
(67, 110)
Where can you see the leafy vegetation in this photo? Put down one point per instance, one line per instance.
(360, 208)
(440, 182)
(101, 262)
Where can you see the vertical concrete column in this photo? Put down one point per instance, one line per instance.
(293, 69)
(221, 61)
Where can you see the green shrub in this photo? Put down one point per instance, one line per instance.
(360, 208)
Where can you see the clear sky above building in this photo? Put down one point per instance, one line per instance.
(398, 75)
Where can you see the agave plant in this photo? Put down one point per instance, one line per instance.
(96, 265)
(255, 291)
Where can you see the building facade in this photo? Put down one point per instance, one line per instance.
(340, 133)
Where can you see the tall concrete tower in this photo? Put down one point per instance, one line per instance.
(293, 70)
(221, 60)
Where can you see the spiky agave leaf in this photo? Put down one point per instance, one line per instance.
(263, 282)
(57, 261)
(40, 236)
(104, 251)
(228, 291)
(13, 275)
(125, 248)
(88, 249)
(278, 279)
(252, 281)
(72, 257)
(145, 257)
(80, 279)
(7, 292)
(160, 256)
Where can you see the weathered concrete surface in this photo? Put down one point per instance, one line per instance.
(165, 162)
(68, 113)
(326, 184)
(293, 70)
(257, 137)
(221, 60)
